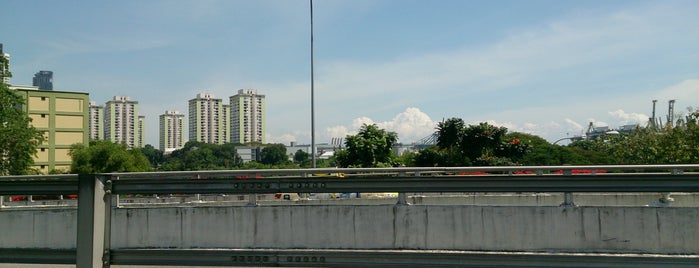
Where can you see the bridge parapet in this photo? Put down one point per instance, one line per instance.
(570, 228)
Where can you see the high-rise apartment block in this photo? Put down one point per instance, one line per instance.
(63, 118)
(141, 134)
(43, 80)
(247, 117)
(96, 121)
(171, 127)
(5, 68)
(122, 123)
(207, 122)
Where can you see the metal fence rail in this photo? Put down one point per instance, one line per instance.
(390, 258)
(411, 183)
(96, 192)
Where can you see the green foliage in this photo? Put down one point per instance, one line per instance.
(672, 145)
(274, 154)
(407, 159)
(105, 156)
(482, 144)
(430, 157)
(302, 158)
(19, 140)
(203, 156)
(449, 133)
(371, 147)
(154, 156)
(539, 149)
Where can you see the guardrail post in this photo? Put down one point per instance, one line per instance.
(252, 200)
(568, 196)
(116, 196)
(94, 221)
(2, 200)
(305, 196)
(402, 200)
(665, 198)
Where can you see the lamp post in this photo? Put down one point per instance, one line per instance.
(313, 120)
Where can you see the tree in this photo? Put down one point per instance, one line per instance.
(430, 157)
(540, 152)
(203, 156)
(449, 133)
(274, 154)
(302, 158)
(482, 144)
(371, 147)
(103, 156)
(154, 156)
(19, 140)
(449, 143)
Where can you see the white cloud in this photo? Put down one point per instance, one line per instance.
(337, 131)
(629, 118)
(285, 139)
(410, 125)
(573, 124)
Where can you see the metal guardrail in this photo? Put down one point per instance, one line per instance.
(351, 258)
(96, 191)
(390, 258)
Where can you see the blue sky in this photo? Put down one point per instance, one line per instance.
(541, 67)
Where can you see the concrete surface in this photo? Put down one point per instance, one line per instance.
(663, 230)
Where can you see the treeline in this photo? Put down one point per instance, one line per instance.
(105, 156)
(483, 144)
(457, 144)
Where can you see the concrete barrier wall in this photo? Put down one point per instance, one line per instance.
(38, 228)
(477, 199)
(572, 229)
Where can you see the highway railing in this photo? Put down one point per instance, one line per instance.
(98, 192)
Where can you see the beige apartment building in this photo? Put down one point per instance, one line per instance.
(63, 117)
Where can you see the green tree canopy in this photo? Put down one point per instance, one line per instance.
(670, 145)
(19, 140)
(203, 156)
(370, 147)
(274, 154)
(482, 145)
(103, 156)
(154, 156)
(302, 158)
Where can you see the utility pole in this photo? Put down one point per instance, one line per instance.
(313, 119)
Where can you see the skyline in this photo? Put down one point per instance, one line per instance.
(540, 67)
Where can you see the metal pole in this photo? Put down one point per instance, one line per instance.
(94, 209)
(313, 120)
